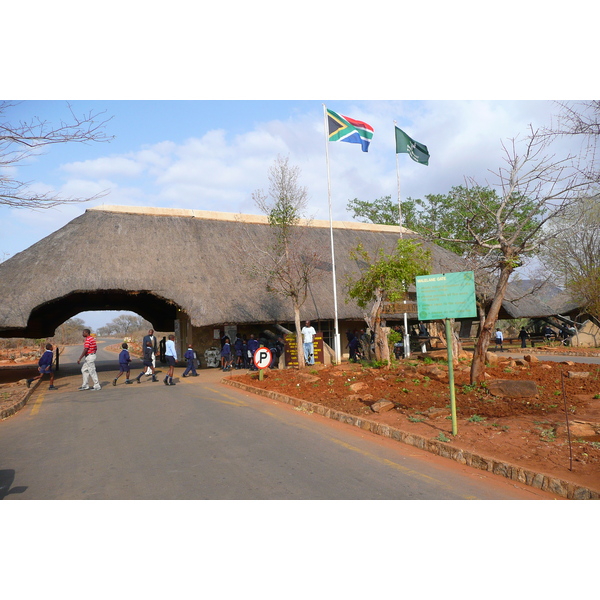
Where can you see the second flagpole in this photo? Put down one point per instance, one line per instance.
(406, 341)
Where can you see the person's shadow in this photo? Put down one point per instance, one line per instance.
(7, 476)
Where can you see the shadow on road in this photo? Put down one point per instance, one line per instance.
(7, 476)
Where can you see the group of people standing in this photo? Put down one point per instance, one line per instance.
(240, 355)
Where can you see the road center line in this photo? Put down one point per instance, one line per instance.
(38, 403)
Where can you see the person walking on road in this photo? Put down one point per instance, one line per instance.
(498, 339)
(147, 361)
(171, 356)
(190, 356)
(45, 367)
(523, 336)
(154, 343)
(124, 360)
(89, 361)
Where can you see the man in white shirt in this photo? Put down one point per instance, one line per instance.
(308, 333)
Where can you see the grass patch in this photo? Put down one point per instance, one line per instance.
(476, 419)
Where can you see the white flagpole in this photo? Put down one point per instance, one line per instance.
(337, 343)
(406, 340)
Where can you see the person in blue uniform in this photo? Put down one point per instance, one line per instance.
(190, 356)
(45, 367)
(124, 360)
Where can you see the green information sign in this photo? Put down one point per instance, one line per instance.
(447, 296)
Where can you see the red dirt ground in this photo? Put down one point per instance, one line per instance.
(529, 432)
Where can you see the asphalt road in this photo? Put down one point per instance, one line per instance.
(200, 439)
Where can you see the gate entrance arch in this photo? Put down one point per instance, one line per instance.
(46, 318)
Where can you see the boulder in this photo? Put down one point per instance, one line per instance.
(382, 406)
(436, 354)
(491, 358)
(363, 397)
(577, 374)
(308, 377)
(511, 388)
(578, 429)
(359, 385)
(531, 358)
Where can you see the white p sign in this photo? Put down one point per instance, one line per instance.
(262, 358)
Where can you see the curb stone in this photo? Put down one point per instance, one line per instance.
(548, 483)
(17, 406)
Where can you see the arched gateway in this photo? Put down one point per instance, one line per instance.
(176, 268)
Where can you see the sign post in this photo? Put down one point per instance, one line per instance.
(444, 297)
(262, 359)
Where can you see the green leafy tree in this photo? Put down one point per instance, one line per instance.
(385, 278)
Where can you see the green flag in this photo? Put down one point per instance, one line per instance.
(418, 152)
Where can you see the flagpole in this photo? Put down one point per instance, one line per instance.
(337, 344)
(406, 340)
(398, 180)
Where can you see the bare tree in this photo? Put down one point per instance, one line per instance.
(286, 261)
(22, 140)
(547, 186)
(573, 255)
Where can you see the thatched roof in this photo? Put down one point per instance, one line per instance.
(533, 299)
(158, 261)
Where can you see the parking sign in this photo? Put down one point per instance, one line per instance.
(262, 358)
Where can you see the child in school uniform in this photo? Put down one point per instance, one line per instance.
(45, 367)
(124, 360)
(226, 355)
(147, 362)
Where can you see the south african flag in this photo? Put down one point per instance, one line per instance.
(345, 129)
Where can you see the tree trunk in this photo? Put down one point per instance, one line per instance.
(455, 341)
(485, 334)
(299, 344)
(382, 351)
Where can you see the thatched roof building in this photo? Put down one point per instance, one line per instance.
(185, 265)
(161, 263)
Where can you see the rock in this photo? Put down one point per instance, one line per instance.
(309, 378)
(427, 369)
(435, 354)
(510, 388)
(359, 397)
(437, 412)
(438, 375)
(491, 359)
(521, 362)
(382, 406)
(577, 428)
(577, 374)
(531, 358)
(546, 367)
(568, 362)
(359, 385)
